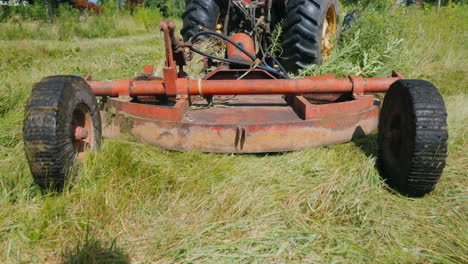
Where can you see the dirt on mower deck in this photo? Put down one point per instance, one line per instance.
(249, 124)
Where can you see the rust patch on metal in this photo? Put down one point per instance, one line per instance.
(243, 128)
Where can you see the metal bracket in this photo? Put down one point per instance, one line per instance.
(358, 85)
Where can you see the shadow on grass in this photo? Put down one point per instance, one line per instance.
(93, 251)
(368, 144)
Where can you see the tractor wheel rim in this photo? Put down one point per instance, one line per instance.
(82, 131)
(328, 33)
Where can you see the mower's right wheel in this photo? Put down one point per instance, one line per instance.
(62, 123)
(309, 29)
(412, 137)
(204, 13)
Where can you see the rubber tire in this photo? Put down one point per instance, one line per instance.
(412, 160)
(199, 13)
(302, 32)
(47, 128)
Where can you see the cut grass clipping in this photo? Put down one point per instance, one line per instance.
(140, 204)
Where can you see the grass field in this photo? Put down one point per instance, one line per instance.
(133, 203)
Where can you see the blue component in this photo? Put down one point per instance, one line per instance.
(270, 68)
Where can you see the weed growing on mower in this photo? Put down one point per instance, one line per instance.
(314, 206)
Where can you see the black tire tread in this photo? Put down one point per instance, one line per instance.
(51, 158)
(302, 33)
(199, 12)
(430, 137)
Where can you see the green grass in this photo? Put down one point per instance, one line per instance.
(68, 24)
(140, 204)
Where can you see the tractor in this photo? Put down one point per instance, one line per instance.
(246, 103)
(306, 28)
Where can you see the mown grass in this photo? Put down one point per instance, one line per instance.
(137, 203)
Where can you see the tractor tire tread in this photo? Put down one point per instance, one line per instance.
(302, 33)
(199, 12)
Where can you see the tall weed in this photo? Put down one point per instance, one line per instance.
(70, 23)
(407, 39)
(148, 17)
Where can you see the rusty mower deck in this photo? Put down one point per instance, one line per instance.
(243, 123)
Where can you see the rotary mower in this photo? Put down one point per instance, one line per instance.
(243, 105)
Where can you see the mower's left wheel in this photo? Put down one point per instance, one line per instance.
(62, 123)
(412, 137)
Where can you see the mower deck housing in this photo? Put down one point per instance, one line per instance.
(244, 123)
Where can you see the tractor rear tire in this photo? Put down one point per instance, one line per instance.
(204, 13)
(304, 39)
(412, 137)
(62, 123)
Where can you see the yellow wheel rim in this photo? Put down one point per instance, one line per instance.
(329, 33)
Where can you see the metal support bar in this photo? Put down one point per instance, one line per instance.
(237, 87)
